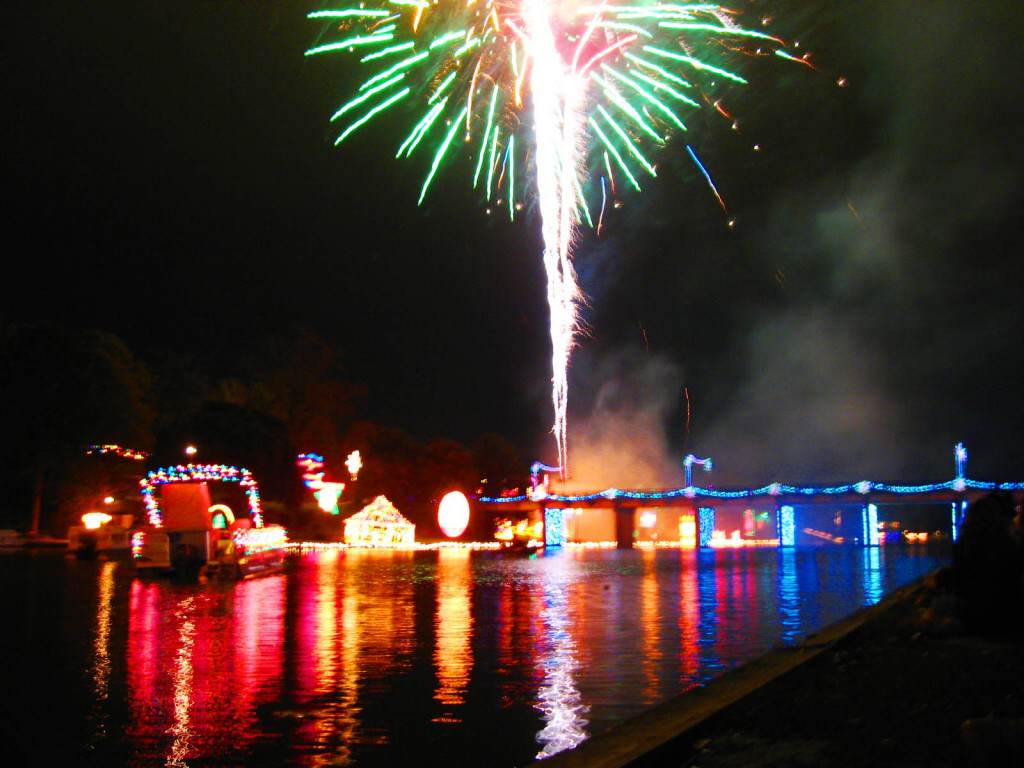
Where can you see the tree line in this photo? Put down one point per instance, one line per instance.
(66, 388)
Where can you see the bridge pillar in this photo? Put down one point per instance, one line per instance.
(869, 525)
(624, 519)
(785, 525)
(705, 526)
(554, 527)
(959, 507)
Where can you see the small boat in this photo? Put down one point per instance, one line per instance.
(100, 533)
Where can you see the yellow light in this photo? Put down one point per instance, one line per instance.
(93, 520)
(453, 514)
(224, 509)
(191, 450)
(108, 499)
(354, 462)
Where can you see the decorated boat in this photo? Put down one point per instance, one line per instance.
(187, 534)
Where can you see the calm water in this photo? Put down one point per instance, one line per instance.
(376, 658)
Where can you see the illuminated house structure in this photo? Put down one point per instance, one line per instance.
(379, 524)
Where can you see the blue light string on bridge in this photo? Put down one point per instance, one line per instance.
(958, 484)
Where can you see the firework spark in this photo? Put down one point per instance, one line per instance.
(582, 92)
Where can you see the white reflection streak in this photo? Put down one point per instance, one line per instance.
(559, 699)
(182, 684)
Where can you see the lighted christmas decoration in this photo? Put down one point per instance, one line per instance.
(116, 450)
(689, 461)
(869, 525)
(453, 514)
(94, 520)
(199, 473)
(379, 524)
(138, 544)
(705, 525)
(353, 463)
(863, 487)
(786, 525)
(538, 468)
(530, 532)
(221, 516)
(554, 527)
(250, 541)
(326, 493)
(687, 530)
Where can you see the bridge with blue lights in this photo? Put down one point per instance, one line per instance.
(957, 492)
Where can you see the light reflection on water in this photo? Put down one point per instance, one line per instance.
(377, 658)
(559, 700)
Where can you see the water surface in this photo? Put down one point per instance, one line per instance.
(378, 658)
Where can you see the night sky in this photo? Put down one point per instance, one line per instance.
(170, 177)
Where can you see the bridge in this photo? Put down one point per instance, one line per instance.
(698, 504)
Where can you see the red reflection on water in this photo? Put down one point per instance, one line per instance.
(200, 661)
(258, 659)
(689, 618)
(147, 652)
(650, 624)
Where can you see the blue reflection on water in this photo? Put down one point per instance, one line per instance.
(872, 575)
(789, 596)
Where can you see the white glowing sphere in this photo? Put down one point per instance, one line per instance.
(453, 514)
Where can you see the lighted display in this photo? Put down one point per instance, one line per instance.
(705, 525)
(353, 463)
(379, 524)
(786, 526)
(198, 473)
(116, 450)
(94, 520)
(221, 516)
(453, 514)
(687, 530)
(326, 493)
(554, 527)
(863, 488)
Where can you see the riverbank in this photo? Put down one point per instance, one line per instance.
(897, 685)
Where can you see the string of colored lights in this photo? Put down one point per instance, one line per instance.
(116, 450)
(773, 489)
(198, 473)
(325, 492)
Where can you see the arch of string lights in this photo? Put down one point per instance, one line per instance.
(199, 473)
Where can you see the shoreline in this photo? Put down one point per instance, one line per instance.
(683, 729)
